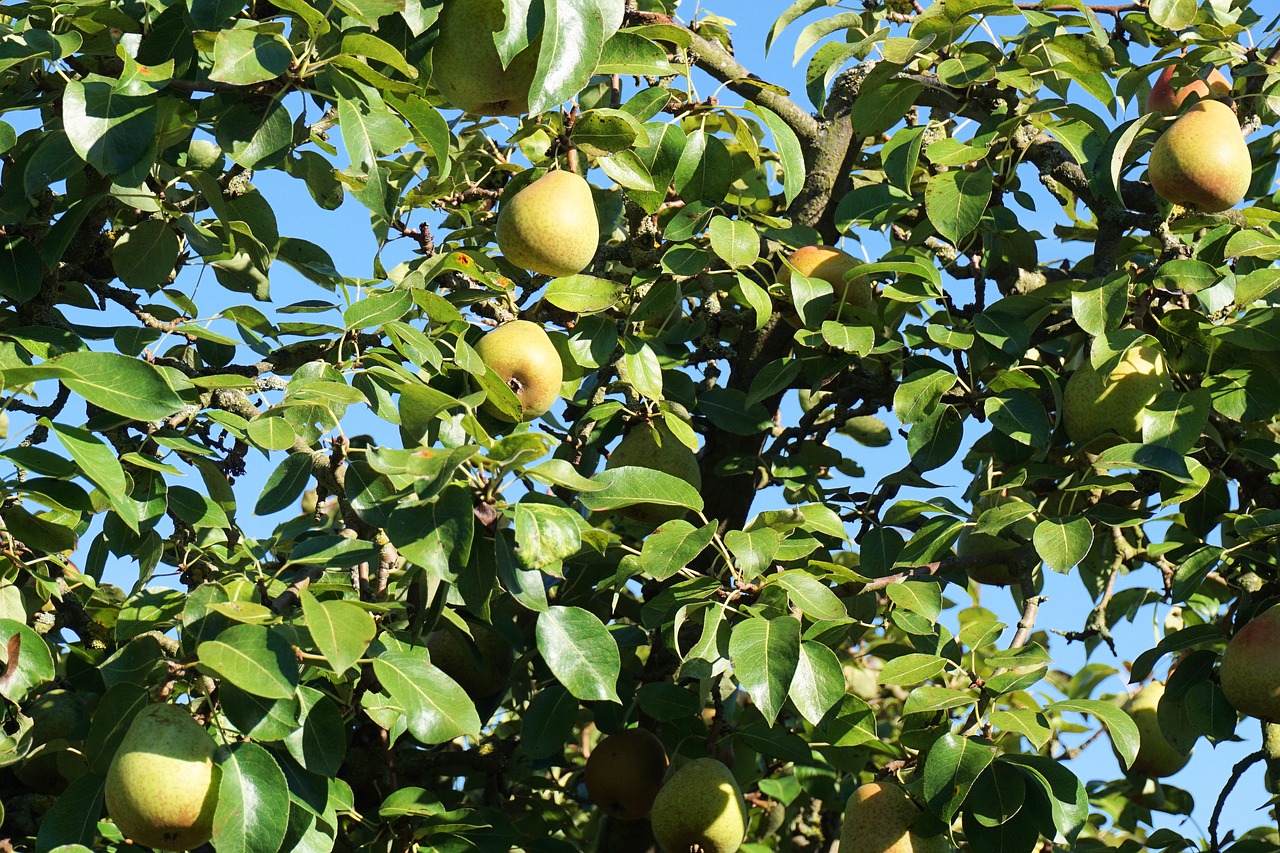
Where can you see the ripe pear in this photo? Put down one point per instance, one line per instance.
(162, 785)
(1093, 405)
(830, 265)
(1163, 98)
(522, 354)
(465, 66)
(624, 773)
(654, 445)
(481, 665)
(878, 818)
(1248, 673)
(1202, 161)
(700, 810)
(550, 226)
(1156, 756)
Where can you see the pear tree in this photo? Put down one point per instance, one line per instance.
(635, 425)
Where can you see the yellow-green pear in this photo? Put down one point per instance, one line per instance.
(700, 810)
(1165, 99)
(1156, 756)
(624, 773)
(522, 354)
(1202, 161)
(1248, 673)
(550, 226)
(1093, 405)
(654, 445)
(829, 264)
(481, 665)
(162, 785)
(878, 819)
(466, 68)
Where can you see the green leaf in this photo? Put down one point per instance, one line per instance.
(434, 706)
(583, 294)
(1063, 542)
(1099, 306)
(376, 309)
(580, 652)
(99, 465)
(790, 154)
(547, 724)
(436, 534)
(144, 256)
(255, 132)
(1121, 727)
(818, 683)
(285, 484)
(369, 131)
(673, 546)
(955, 201)
(112, 131)
(34, 666)
(341, 630)
(247, 55)
(604, 131)
(319, 743)
(642, 368)
(1173, 14)
(765, 654)
(257, 717)
(546, 533)
(125, 386)
(21, 270)
(572, 38)
(814, 598)
(912, 669)
(73, 820)
(253, 800)
(256, 659)
(1068, 801)
(753, 550)
(735, 241)
(1020, 415)
(110, 723)
(953, 764)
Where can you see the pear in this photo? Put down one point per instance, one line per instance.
(522, 354)
(1163, 98)
(700, 810)
(829, 264)
(1248, 673)
(1093, 405)
(466, 68)
(162, 785)
(481, 667)
(654, 445)
(878, 819)
(550, 226)
(1156, 756)
(993, 574)
(1202, 161)
(624, 773)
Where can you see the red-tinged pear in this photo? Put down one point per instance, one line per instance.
(162, 785)
(625, 772)
(466, 68)
(1165, 100)
(829, 264)
(522, 354)
(550, 226)
(1156, 756)
(700, 810)
(1249, 676)
(878, 819)
(653, 445)
(1202, 161)
(1093, 404)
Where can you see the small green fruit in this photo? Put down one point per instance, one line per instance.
(550, 226)
(1248, 673)
(1094, 405)
(624, 773)
(481, 665)
(878, 819)
(1156, 756)
(700, 810)
(1202, 161)
(653, 445)
(162, 785)
(466, 68)
(522, 354)
(203, 155)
